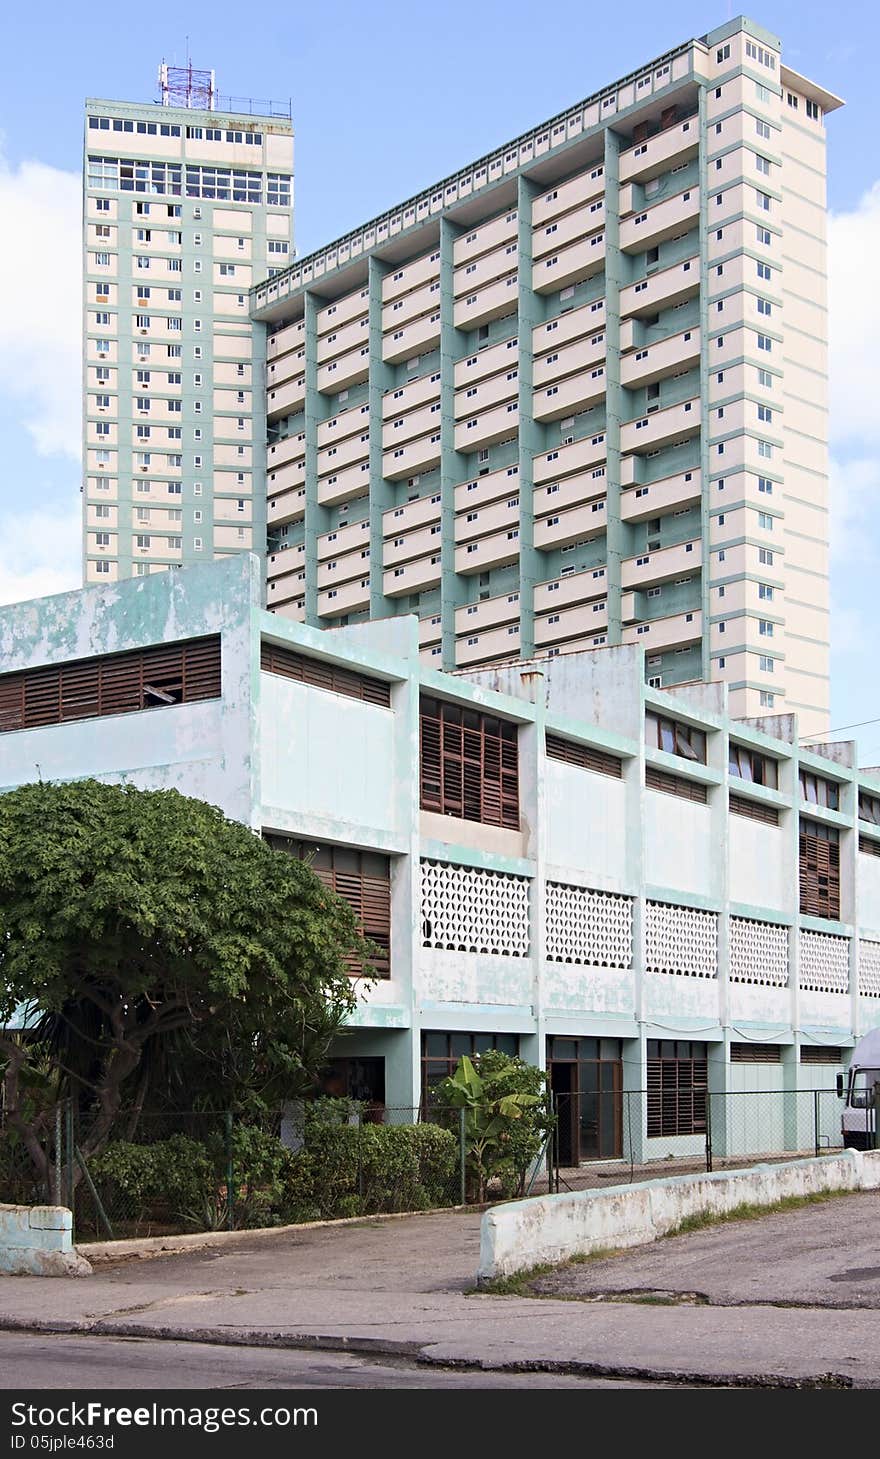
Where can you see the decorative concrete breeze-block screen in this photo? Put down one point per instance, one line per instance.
(758, 952)
(824, 963)
(589, 927)
(681, 940)
(465, 909)
(869, 969)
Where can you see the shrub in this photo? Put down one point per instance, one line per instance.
(170, 1179)
(343, 1169)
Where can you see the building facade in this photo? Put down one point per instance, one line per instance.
(622, 883)
(185, 208)
(575, 394)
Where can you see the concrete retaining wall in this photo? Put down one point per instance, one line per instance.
(528, 1233)
(38, 1241)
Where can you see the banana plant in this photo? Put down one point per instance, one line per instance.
(486, 1122)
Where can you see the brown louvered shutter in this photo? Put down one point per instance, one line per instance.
(585, 756)
(42, 697)
(276, 659)
(675, 785)
(201, 670)
(469, 764)
(80, 697)
(366, 890)
(869, 846)
(819, 871)
(430, 752)
(12, 702)
(121, 684)
(821, 1054)
(755, 1054)
(111, 684)
(677, 1093)
(754, 810)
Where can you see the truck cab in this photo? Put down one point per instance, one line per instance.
(857, 1088)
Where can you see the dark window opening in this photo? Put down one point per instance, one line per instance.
(675, 737)
(819, 791)
(442, 1051)
(749, 765)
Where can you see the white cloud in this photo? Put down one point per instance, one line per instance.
(39, 552)
(853, 245)
(853, 500)
(41, 322)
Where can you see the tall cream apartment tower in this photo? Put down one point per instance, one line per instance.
(187, 204)
(575, 394)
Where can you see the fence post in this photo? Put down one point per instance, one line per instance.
(462, 1159)
(230, 1175)
(876, 1115)
(58, 1155)
(816, 1120)
(68, 1113)
(708, 1131)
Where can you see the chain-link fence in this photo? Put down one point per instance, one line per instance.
(164, 1173)
(637, 1135)
(169, 1172)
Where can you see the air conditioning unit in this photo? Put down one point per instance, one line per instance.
(102, 354)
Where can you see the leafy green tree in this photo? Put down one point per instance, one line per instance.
(507, 1115)
(152, 949)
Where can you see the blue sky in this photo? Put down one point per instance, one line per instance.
(412, 96)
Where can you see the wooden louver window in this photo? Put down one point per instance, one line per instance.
(146, 678)
(677, 1088)
(583, 755)
(819, 870)
(674, 785)
(275, 659)
(754, 810)
(469, 765)
(821, 1054)
(361, 878)
(869, 846)
(755, 1053)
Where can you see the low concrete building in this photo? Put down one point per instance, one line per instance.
(622, 883)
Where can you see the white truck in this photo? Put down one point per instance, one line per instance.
(856, 1088)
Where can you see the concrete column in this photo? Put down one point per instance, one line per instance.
(316, 515)
(614, 392)
(452, 463)
(381, 491)
(530, 433)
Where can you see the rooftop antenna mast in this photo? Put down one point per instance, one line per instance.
(187, 87)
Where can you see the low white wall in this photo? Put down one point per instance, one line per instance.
(38, 1241)
(524, 1234)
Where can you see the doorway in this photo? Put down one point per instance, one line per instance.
(586, 1077)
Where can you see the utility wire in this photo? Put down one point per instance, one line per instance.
(839, 730)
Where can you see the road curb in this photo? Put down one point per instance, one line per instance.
(417, 1353)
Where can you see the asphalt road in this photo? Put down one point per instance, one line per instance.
(29, 1363)
(791, 1299)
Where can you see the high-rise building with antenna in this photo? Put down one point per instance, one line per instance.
(188, 202)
